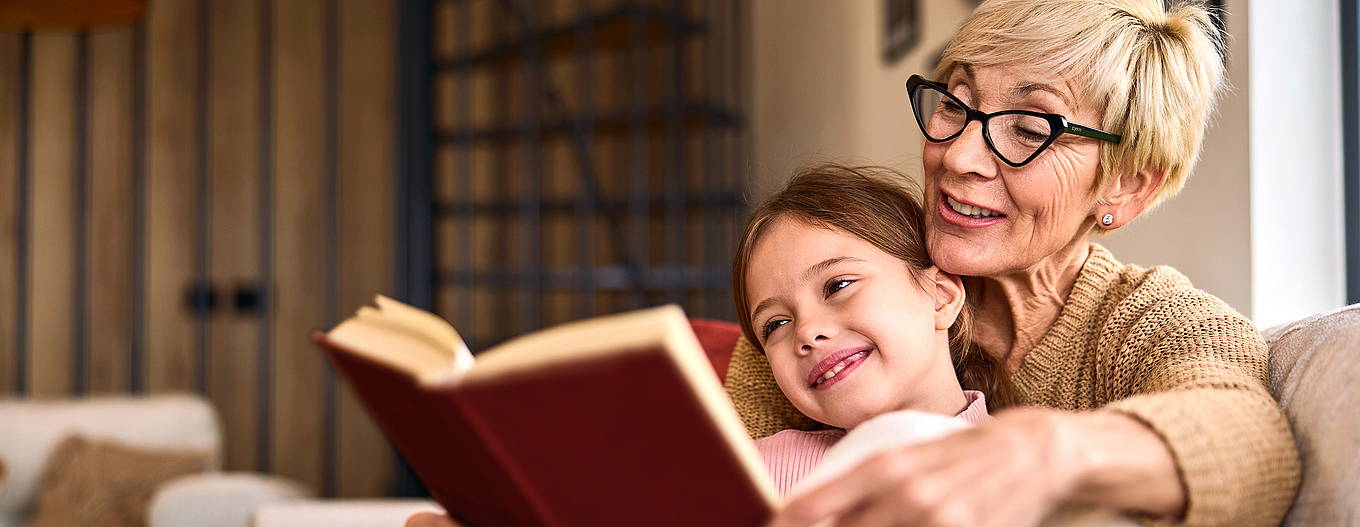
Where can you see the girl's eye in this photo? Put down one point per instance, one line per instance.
(770, 326)
(835, 286)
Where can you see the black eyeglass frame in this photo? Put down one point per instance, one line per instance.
(1058, 124)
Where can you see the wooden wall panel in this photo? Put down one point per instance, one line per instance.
(11, 90)
(233, 165)
(299, 234)
(220, 41)
(367, 162)
(110, 202)
(52, 260)
(172, 63)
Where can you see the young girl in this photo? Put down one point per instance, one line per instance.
(833, 284)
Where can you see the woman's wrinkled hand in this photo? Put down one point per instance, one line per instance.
(430, 519)
(1009, 472)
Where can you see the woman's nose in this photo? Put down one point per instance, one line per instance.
(969, 154)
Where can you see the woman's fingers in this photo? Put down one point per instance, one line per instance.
(1000, 474)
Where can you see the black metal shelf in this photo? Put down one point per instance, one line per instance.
(653, 221)
(601, 278)
(612, 30)
(693, 202)
(697, 116)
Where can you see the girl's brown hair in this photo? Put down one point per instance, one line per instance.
(879, 206)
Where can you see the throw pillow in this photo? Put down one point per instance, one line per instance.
(106, 484)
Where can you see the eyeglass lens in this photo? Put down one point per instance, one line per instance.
(1013, 136)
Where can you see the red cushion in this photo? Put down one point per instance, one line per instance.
(718, 337)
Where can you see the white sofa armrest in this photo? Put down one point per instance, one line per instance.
(342, 513)
(219, 499)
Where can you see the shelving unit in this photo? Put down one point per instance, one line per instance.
(587, 158)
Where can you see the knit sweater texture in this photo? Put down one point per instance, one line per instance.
(1146, 343)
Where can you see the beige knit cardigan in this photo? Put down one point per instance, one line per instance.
(1147, 343)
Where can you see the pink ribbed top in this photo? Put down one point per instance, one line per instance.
(791, 454)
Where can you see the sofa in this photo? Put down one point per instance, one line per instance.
(131, 457)
(1315, 376)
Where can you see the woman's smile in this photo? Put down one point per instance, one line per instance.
(967, 215)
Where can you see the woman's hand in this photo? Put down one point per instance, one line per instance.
(1010, 472)
(430, 519)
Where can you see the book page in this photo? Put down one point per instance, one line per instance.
(427, 323)
(407, 338)
(577, 340)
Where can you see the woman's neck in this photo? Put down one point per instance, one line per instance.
(1013, 312)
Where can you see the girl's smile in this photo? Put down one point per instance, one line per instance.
(837, 367)
(851, 331)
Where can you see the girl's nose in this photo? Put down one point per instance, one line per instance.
(806, 349)
(813, 333)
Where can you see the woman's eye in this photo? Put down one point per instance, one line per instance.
(1029, 135)
(835, 286)
(770, 326)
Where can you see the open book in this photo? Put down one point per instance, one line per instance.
(616, 420)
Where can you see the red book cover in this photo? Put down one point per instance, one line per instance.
(439, 443)
(627, 436)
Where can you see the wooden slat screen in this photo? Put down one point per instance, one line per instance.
(189, 198)
(193, 195)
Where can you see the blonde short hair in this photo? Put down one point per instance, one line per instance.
(1156, 72)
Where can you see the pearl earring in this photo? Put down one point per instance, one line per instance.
(1107, 220)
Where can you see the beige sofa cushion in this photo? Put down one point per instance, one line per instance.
(1314, 374)
(95, 483)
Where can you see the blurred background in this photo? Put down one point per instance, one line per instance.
(195, 186)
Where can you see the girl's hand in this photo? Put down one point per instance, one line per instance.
(1012, 471)
(430, 519)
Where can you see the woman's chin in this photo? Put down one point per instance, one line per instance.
(963, 256)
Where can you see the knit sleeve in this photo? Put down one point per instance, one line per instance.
(1195, 371)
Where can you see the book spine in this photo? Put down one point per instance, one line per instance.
(506, 461)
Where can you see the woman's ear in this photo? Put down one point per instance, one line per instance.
(1128, 196)
(949, 297)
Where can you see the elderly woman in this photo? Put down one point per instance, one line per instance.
(1140, 392)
